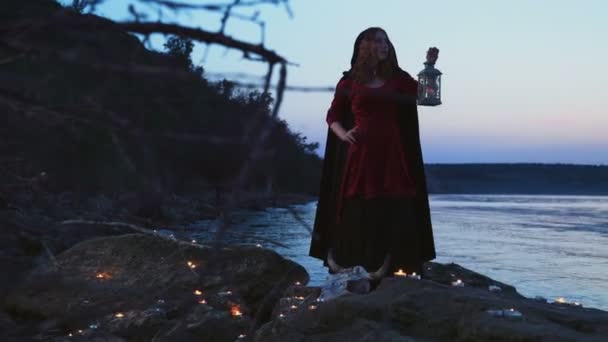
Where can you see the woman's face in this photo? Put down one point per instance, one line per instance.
(379, 46)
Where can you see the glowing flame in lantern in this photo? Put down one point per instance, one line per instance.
(191, 264)
(197, 292)
(312, 307)
(119, 315)
(202, 301)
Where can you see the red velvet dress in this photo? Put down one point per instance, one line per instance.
(376, 164)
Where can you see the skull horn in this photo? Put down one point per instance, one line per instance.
(382, 270)
(333, 266)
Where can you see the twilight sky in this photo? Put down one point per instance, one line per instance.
(522, 78)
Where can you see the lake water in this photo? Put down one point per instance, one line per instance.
(550, 246)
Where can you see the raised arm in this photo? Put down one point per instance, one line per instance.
(408, 86)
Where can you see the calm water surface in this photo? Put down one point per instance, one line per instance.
(550, 246)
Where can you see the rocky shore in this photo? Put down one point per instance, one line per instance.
(89, 279)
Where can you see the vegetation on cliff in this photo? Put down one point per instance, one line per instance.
(86, 104)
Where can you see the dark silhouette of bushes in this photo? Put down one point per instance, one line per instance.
(89, 105)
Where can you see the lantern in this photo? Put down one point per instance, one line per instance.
(429, 81)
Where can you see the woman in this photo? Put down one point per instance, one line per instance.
(373, 205)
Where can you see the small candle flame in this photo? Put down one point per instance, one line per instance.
(119, 315)
(294, 307)
(458, 283)
(102, 275)
(70, 335)
(242, 336)
(414, 276)
(236, 311)
(281, 315)
(193, 241)
(197, 292)
(202, 301)
(400, 273)
(298, 283)
(258, 245)
(312, 307)
(299, 298)
(191, 264)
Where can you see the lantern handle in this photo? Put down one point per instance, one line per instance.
(431, 55)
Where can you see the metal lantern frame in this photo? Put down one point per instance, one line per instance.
(429, 85)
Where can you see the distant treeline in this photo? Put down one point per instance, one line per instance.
(518, 179)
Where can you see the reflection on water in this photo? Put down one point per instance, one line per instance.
(551, 246)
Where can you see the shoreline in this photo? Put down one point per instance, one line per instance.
(80, 249)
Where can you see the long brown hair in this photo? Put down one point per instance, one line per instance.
(363, 57)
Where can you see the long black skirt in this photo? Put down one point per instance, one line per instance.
(372, 228)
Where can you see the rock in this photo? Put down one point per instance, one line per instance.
(141, 286)
(447, 273)
(3, 203)
(402, 309)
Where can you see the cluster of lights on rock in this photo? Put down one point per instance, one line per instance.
(235, 311)
(401, 273)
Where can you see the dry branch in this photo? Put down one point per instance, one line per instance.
(176, 5)
(111, 224)
(205, 37)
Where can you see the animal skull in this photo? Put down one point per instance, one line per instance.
(349, 280)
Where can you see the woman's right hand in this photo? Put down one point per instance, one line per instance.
(350, 136)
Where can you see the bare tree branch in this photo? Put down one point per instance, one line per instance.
(227, 15)
(206, 37)
(254, 156)
(268, 77)
(176, 5)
